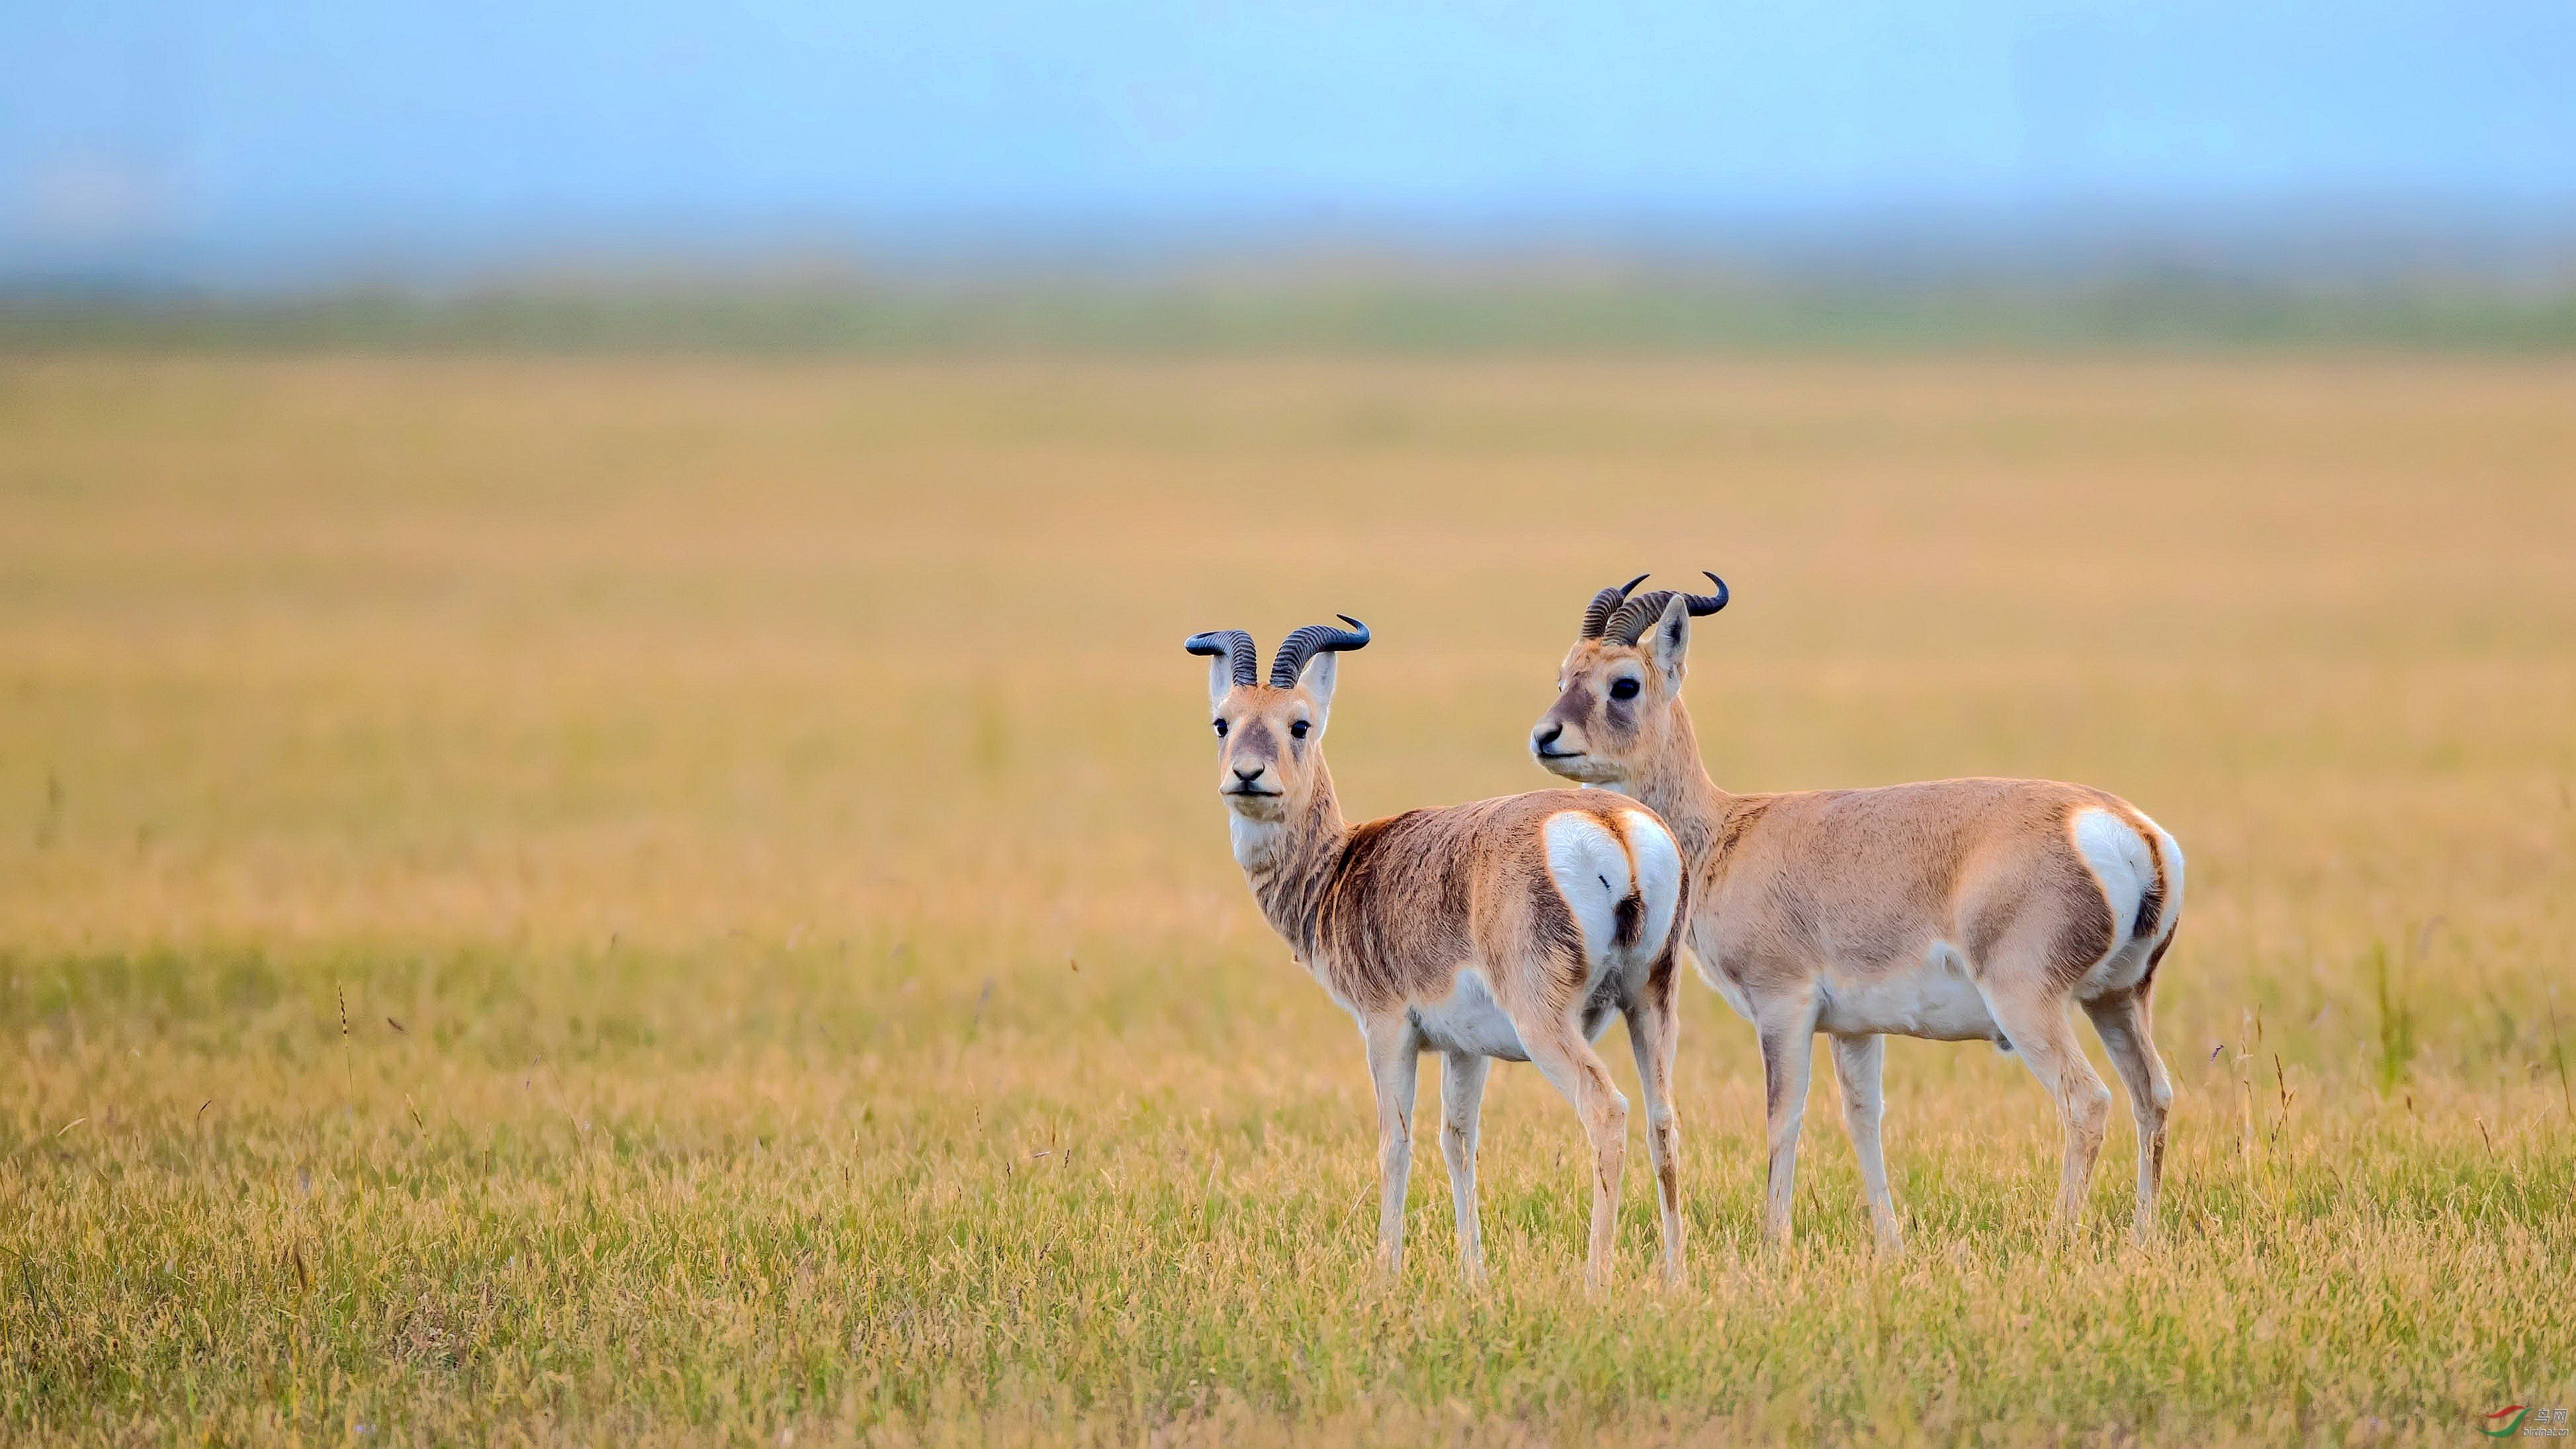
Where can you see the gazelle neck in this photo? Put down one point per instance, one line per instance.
(1288, 862)
(1675, 784)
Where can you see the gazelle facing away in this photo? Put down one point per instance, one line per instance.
(1509, 928)
(1957, 909)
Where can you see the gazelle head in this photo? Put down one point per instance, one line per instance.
(1616, 690)
(1270, 737)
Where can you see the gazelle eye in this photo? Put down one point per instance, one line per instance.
(1298, 730)
(1623, 689)
(1220, 729)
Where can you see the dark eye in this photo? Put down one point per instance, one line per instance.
(1298, 730)
(1623, 689)
(1220, 729)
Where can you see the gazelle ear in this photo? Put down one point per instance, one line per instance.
(1670, 639)
(1317, 679)
(1220, 680)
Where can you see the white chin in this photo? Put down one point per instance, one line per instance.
(1580, 768)
(1263, 808)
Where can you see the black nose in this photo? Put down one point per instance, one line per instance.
(1546, 737)
(1248, 776)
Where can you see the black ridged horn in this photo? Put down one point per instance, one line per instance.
(1596, 615)
(1310, 641)
(1241, 659)
(1642, 611)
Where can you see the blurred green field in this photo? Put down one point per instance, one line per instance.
(651, 900)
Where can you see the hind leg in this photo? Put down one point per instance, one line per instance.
(1557, 1048)
(2127, 1030)
(1858, 1064)
(1653, 1028)
(2035, 1022)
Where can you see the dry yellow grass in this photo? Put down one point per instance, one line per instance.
(771, 800)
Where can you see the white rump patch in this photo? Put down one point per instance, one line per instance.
(2119, 860)
(1659, 875)
(1591, 872)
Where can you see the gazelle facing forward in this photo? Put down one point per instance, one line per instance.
(1509, 928)
(1958, 910)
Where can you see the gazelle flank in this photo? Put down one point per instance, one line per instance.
(1954, 909)
(1511, 928)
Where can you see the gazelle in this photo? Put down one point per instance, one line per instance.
(1957, 910)
(1509, 928)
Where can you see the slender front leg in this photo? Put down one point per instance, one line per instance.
(1394, 1061)
(1462, 1097)
(1858, 1070)
(1557, 1048)
(1654, 1029)
(1788, 1052)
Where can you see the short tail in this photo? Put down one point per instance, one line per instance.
(2160, 906)
(1629, 916)
(1667, 965)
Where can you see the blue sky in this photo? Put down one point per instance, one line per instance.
(244, 122)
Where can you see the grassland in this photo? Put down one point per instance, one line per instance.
(678, 900)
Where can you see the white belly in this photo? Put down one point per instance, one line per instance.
(1935, 1000)
(1469, 1021)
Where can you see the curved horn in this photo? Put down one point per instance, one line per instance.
(1241, 659)
(1596, 615)
(1310, 641)
(1636, 614)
